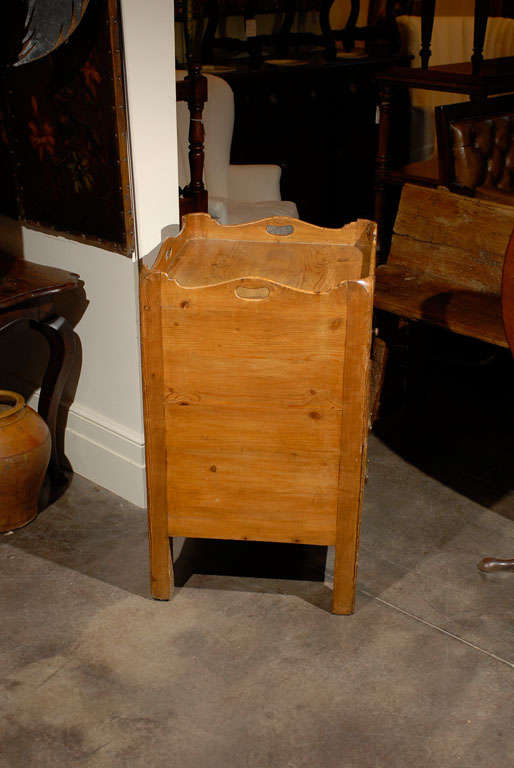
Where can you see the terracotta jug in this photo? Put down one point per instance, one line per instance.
(25, 447)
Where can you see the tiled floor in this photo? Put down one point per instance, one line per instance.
(246, 667)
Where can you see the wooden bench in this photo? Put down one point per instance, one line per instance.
(445, 263)
(489, 564)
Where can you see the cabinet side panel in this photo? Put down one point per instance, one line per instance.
(253, 410)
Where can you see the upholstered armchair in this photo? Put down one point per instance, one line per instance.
(237, 193)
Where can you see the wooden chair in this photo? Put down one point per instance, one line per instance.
(445, 264)
(237, 192)
(381, 34)
(253, 43)
(284, 38)
(427, 10)
(325, 38)
(476, 148)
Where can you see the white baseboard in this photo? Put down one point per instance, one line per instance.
(105, 452)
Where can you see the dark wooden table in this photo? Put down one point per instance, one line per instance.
(27, 299)
(494, 76)
(477, 78)
(316, 120)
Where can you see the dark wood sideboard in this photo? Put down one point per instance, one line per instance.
(318, 121)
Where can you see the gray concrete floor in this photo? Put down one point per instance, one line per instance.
(246, 667)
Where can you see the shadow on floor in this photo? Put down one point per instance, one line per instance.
(454, 419)
(252, 559)
(457, 427)
(96, 533)
(272, 567)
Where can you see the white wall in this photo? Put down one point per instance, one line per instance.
(105, 436)
(149, 42)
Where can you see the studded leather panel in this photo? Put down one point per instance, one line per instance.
(483, 152)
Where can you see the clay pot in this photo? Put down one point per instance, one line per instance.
(25, 447)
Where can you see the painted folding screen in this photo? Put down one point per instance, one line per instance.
(64, 137)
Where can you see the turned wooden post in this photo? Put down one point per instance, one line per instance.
(482, 8)
(349, 38)
(427, 25)
(285, 28)
(324, 21)
(196, 188)
(383, 167)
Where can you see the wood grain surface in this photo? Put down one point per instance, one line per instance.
(446, 262)
(256, 344)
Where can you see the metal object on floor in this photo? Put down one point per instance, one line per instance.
(491, 564)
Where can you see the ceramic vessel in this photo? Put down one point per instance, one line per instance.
(25, 447)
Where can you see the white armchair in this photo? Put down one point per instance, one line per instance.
(237, 193)
(452, 42)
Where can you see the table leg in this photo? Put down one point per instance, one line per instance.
(64, 347)
(349, 30)
(324, 22)
(285, 28)
(427, 25)
(481, 15)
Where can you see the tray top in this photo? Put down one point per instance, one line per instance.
(280, 250)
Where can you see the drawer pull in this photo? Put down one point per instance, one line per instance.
(252, 294)
(274, 229)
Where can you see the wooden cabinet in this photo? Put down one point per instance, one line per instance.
(256, 345)
(318, 121)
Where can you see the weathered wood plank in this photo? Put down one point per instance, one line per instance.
(446, 262)
(452, 236)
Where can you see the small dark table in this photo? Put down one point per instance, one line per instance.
(27, 295)
(495, 76)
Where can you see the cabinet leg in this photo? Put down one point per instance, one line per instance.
(345, 570)
(161, 567)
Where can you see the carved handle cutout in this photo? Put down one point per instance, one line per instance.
(252, 294)
(286, 229)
